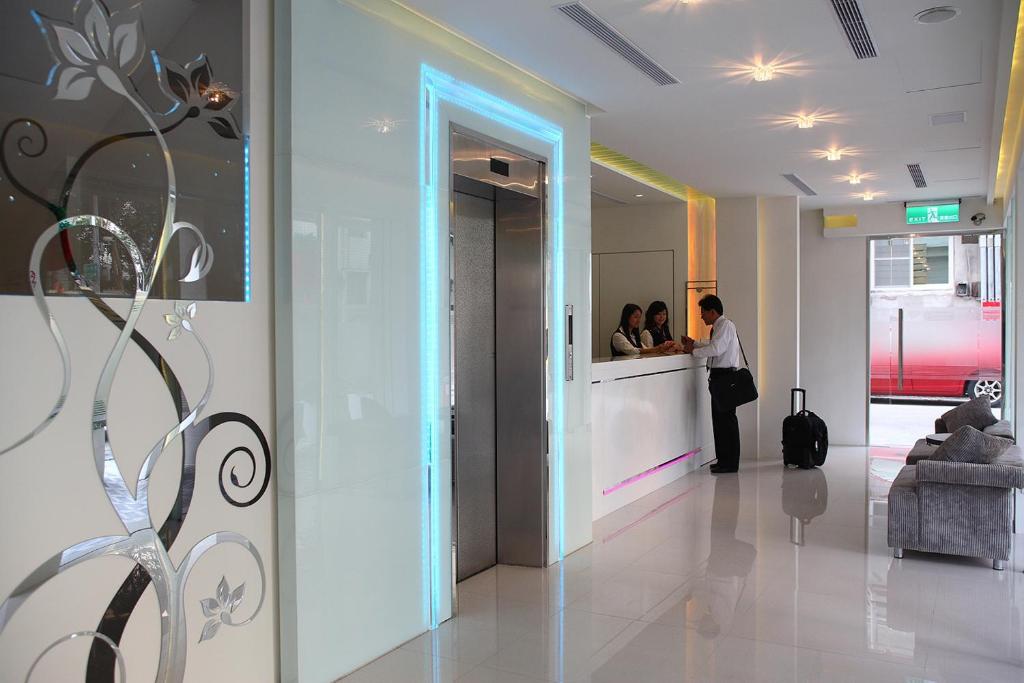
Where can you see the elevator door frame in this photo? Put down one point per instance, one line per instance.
(453, 129)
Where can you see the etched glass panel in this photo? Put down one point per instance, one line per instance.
(73, 145)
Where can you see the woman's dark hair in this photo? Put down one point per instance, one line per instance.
(654, 309)
(710, 302)
(627, 312)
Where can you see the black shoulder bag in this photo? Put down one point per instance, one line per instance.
(736, 388)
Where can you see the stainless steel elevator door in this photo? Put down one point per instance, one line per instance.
(520, 367)
(475, 436)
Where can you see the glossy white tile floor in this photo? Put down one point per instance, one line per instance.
(768, 575)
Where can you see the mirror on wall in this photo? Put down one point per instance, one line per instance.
(639, 253)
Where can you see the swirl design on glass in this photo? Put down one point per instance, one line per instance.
(100, 49)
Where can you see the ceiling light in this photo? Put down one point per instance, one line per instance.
(763, 72)
(638, 195)
(869, 195)
(382, 126)
(834, 154)
(936, 15)
(855, 177)
(804, 121)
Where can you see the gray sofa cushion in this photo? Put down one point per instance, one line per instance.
(976, 413)
(969, 445)
(1014, 455)
(1001, 429)
(922, 450)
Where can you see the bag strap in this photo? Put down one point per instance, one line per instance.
(742, 351)
(740, 342)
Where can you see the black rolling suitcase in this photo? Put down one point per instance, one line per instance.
(804, 435)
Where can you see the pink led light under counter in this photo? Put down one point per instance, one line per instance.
(646, 473)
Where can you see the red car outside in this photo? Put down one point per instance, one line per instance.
(948, 352)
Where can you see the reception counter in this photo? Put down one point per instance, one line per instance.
(651, 421)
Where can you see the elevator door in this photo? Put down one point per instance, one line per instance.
(498, 357)
(476, 439)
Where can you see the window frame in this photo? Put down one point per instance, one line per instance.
(910, 265)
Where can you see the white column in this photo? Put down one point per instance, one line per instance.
(737, 250)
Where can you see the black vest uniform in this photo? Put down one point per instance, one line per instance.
(660, 335)
(633, 338)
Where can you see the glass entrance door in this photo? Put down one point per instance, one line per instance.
(936, 330)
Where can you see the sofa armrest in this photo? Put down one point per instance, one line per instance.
(971, 474)
(940, 426)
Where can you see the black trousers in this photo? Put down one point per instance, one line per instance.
(726, 427)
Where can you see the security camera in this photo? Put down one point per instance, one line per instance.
(978, 218)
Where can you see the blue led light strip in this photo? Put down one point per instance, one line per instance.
(248, 252)
(435, 87)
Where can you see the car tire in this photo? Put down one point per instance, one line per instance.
(993, 388)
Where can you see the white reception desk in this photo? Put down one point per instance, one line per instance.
(651, 422)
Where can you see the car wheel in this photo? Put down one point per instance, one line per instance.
(993, 388)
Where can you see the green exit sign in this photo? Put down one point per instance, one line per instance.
(939, 213)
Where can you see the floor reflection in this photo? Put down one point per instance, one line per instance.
(707, 580)
(804, 497)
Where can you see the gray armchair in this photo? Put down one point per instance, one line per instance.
(956, 508)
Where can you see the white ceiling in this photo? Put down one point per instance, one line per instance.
(609, 188)
(719, 131)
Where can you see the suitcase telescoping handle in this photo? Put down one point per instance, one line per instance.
(792, 400)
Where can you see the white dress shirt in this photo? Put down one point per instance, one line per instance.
(623, 345)
(723, 349)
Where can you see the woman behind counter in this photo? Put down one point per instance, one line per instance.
(656, 329)
(626, 338)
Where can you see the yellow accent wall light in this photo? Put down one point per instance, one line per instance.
(1013, 118)
(844, 221)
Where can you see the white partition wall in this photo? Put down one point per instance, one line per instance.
(370, 90)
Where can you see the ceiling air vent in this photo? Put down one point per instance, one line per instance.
(948, 117)
(799, 184)
(601, 30)
(917, 175)
(852, 21)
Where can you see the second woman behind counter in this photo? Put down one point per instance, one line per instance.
(656, 328)
(626, 338)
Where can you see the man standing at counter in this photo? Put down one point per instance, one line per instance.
(723, 356)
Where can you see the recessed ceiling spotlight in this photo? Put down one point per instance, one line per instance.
(869, 195)
(836, 153)
(763, 72)
(382, 126)
(638, 195)
(807, 119)
(855, 178)
(760, 69)
(937, 15)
